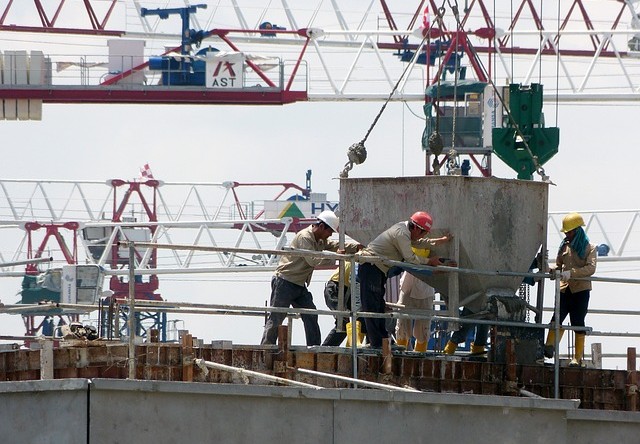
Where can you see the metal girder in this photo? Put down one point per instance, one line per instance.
(345, 62)
(191, 213)
(92, 23)
(603, 227)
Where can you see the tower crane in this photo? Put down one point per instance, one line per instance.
(362, 46)
(141, 212)
(575, 35)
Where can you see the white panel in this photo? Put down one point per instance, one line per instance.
(47, 72)
(10, 109)
(68, 294)
(225, 71)
(125, 55)
(35, 109)
(36, 68)
(21, 68)
(492, 115)
(23, 109)
(8, 73)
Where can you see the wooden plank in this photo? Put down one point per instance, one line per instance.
(187, 358)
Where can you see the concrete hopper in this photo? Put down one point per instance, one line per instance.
(498, 224)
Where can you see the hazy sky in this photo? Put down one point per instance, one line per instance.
(594, 170)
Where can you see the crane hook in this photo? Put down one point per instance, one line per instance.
(356, 154)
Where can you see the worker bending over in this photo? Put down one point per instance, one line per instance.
(417, 294)
(293, 276)
(395, 243)
(331, 289)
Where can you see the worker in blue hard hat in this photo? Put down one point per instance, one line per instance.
(577, 258)
(293, 276)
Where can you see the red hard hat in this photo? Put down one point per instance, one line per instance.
(422, 219)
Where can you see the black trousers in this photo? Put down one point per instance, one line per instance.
(286, 294)
(575, 305)
(372, 288)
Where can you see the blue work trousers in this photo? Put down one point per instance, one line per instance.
(482, 331)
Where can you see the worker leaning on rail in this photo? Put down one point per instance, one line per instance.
(395, 243)
(576, 259)
(293, 276)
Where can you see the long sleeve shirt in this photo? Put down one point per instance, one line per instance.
(569, 260)
(297, 269)
(395, 243)
(415, 288)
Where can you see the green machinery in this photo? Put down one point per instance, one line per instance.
(525, 104)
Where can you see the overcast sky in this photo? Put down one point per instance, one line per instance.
(595, 169)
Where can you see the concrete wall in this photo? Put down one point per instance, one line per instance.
(499, 224)
(121, 411)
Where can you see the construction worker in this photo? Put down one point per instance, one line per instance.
(331, 289)
(416, 294)
(480, 337)
(293, 276)
(395, 243)
(576, 259)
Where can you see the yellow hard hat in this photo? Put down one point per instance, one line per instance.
(572, 221)
(421, 252)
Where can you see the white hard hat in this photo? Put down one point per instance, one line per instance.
(329, 218)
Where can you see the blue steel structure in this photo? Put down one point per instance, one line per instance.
(184, 70)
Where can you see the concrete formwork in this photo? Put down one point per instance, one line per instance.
(118, 411)
(498, 224)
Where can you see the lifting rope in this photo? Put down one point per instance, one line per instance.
(357, 153)
(539, 169)
(452, 156)
(435, 142)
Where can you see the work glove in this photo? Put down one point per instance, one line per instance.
(566, 275)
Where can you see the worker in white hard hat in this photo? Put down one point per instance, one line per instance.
(577, 258)
(395, 243)
(293, 276)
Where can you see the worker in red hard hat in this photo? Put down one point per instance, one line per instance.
(293, 276)
(396, 244)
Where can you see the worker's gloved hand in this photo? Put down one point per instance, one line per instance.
(566, 275)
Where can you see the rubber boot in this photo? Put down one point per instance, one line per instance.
(579, 351)
(550, 343)
(450, 348)
(358, 334)
(402, 342)
(477, 349)
(421, 347)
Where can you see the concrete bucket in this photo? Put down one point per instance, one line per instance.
(498, 224)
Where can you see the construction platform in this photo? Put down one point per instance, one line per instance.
(435, 373)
